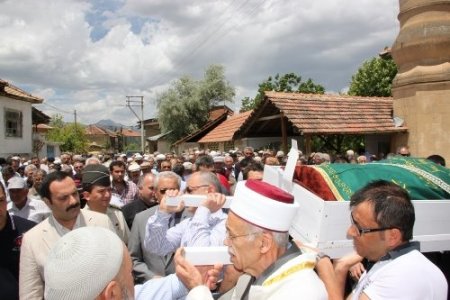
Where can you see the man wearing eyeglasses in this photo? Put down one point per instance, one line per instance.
(205, 228)
(258, 243)
(382, 217)
(147, 265)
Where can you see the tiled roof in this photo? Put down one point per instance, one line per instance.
(211, 124)
(218, 111)
(95, 130)
(336, 114)
(226, 131)
(130, 133)
(11, 91)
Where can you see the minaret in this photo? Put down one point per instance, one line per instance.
(421, 89)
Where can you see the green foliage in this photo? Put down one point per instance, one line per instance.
(70, 135)
(132, 147)
(184, 107)
(290, 82)
(374, 78)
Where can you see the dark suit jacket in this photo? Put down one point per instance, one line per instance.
(145, 264)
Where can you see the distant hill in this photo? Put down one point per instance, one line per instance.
(111, 125)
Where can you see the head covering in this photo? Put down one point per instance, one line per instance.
(280, 153)
(187, 165)
(96, 175)
(219, 159)
(16, 182)
(82, 263)
(160, 157)
(134, 167)
(145, 164)
(264, 205)
(15, 158)
(138, 156)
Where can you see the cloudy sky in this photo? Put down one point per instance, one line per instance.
(89, 55)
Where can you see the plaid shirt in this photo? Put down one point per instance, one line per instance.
(128, 194)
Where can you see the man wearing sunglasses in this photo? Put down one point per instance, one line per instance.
(382, 220)
(205, 228)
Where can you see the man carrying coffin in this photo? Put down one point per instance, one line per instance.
(258, 243)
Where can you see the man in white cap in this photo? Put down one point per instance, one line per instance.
(88, 263)
(23, 206)
(257, 239)
(134, 172)
(60, 193)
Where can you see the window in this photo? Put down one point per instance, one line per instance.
(13, 123)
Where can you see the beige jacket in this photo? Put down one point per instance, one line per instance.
(36, 245)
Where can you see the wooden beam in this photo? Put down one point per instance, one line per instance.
(307, 144)
(284, 142)
(269, 118)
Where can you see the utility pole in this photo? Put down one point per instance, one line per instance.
(141, 119)
(75, 117)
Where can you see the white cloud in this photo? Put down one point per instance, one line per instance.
(80, 55)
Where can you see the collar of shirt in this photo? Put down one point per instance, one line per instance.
(401, 250)
(63, 230)
(12, 206)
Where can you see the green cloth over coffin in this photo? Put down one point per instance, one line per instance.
(422, 178)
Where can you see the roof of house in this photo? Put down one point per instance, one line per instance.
(226, 130)
(95, 130)
(325, 114)
(217, 111)
(11, 91)
(210, 125)
(129, 132)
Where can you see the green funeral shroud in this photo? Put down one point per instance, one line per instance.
(422, 178)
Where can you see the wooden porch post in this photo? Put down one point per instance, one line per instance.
(307, 144)
(284, 141)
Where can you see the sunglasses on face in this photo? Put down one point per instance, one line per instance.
(190, 190)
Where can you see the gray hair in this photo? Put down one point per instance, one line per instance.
(30, 168)
(142, 179)
(167, 174)
(280, 238)
(210, 178)
(92, 161)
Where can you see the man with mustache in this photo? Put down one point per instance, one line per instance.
(60, 193)
(258, 243)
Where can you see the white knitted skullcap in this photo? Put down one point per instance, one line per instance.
(82, 263)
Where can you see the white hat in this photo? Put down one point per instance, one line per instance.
(264, 205)
(82, 263)
(160, 157)
(15, 158)
(16, 182)
(213, 153)
(187, 165)
(138, 156)
(280, 153)
(219, 159)
(134, 167)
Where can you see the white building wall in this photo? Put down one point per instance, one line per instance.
(16, 145)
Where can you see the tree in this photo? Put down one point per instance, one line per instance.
(289, 82)
(374, 78)
(70, 135)
(184, 107)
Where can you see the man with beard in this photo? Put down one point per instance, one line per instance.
(60, 193)
(258, 243)
(38, 177)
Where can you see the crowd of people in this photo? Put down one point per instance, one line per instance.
(79, 227)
